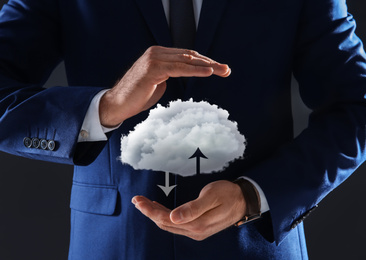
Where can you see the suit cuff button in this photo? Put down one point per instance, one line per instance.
(27, 142)
(84, 134)
(44, 144)
(35, 142)
(51, 145)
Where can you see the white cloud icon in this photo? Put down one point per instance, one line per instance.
(171, 135)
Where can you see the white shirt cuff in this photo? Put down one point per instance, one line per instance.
(264, 203)
(92, 130)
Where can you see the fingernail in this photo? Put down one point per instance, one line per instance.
(228, 72)
(134, 200)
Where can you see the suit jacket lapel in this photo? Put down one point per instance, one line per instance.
(211, 13)
(210, 16)
(154, 15)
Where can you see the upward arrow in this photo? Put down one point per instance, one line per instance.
(198, 154)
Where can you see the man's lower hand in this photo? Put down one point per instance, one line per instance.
(219, 205)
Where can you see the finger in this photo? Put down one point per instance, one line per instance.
(142, 199)
(219, 69)
(192, 210)
(185, 58)
(156, 51)
(153, 210)
(175, 51)
(157, 203)
(195, 58)
(160, 216)
(172, 52)
(137, 200)
(188, 56)
(178, 69)
(206, 225)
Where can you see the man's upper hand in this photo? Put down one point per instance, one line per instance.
(145, 82)
(219, 205)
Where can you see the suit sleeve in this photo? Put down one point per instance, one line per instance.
(330, 66)
(30, 48)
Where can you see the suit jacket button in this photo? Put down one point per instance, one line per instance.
(51, 145)
(44, 144)
(35, 142)
(27, 142)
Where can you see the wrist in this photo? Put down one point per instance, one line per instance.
(110, 111)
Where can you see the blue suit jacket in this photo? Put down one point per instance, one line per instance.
(263, 41)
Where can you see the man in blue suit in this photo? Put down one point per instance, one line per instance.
(263, 42)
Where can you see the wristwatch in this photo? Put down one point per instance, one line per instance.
(252, 199)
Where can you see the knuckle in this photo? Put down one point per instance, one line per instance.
(192, 52)
(211, 192)
(187, 57)
(149, 56)
(152, 49)
(151, 52)
(209, 189)
(148, 51)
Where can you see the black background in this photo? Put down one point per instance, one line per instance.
(34, 199)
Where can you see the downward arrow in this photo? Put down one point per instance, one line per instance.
(167, 189)
(198, 154)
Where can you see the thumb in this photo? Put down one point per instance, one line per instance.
(192, 210)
